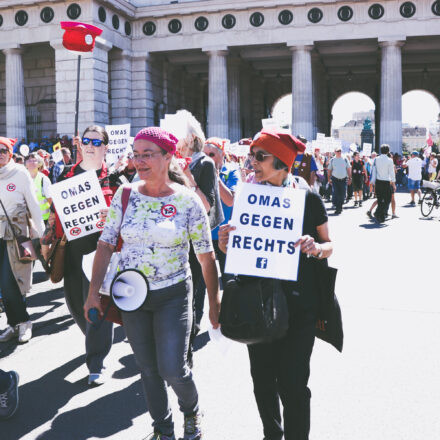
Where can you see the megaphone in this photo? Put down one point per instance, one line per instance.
(129, 290)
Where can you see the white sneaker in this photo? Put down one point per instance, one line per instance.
(9, 333)
(24, 332)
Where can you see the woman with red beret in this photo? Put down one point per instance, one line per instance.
(161, 219)
(18, 199)
(280, 369)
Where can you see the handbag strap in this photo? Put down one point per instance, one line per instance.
(126, 191)
(9, 220)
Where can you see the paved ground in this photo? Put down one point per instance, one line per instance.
(384, 386)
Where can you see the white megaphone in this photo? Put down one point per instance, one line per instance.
(129, 290)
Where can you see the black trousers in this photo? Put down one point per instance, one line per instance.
(383, 194)
(13, 300)
(280, 370)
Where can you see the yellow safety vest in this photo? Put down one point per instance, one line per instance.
(44, 204)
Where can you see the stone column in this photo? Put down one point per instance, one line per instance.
(142, 102)
(218, 94)
(94, 87)
(391, 95)
(302, 91)
(234, 119)
(15, 97)
(245, 105)
(120, 86)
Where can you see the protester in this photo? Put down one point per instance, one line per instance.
(339, 174)
(383, 178)
(229, 176)
(8, 394)
(59, 166)
(432, 168)
(158, 245)
(204, 180)
(20, 204)
(280, 369)
(305, 165)
(359, 174)
(414, 166)
(34, 165)
(93, 144)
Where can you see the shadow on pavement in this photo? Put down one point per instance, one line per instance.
(373, 225)
(129, 368)
(200, 341)
(39, 277)
(102, 418)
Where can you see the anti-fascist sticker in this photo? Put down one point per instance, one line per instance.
(11, 187)
(168, 211)
(100, 224)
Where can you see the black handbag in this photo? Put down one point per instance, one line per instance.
(253, 310)
(329, 324)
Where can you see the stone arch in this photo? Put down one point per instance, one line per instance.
(351, 132)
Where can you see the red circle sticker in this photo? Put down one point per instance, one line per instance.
(100, 224)
(75, 231)
(11, 187)
(168, 211)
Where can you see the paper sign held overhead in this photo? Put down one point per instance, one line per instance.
(119, 142)
(269, 220)
(78, 201)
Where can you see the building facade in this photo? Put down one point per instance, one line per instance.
(228, 62)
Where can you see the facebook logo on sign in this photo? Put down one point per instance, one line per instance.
(261, 263)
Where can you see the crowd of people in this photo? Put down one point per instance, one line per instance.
(177, 253)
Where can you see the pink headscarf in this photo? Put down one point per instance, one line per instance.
(8, 143)
(160, 137)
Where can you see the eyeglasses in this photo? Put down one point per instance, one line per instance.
(259, 156)
(95, 142)
(4, 151)
(145, 156)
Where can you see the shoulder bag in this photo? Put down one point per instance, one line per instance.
(253, 310)
(23, 244)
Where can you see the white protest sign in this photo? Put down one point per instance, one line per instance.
(366, 148)
(269, 220)
(78, 201)
(119, 140)
(320, 136)
(57, 156)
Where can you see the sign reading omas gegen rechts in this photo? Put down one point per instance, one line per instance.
(78, 201)
(269, 220)
(119, 142)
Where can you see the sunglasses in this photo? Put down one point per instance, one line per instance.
(4, 151)
(95, 142)
(259, 156)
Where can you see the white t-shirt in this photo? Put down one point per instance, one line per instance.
(415, 165)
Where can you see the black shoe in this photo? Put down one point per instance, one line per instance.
(338, 211)
(355, 203)
(9, 399)
(369, 214)
(360, 204)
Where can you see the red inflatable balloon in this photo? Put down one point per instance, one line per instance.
(79, 37)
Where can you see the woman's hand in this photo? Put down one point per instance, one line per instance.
(308, 245)
(223, 236)
(93, 302)
(103, 214)
(214, 312)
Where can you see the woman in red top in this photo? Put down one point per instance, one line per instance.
(93, 146)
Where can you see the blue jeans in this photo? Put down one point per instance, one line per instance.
(339, 191)
(13, 300)
(159, 335)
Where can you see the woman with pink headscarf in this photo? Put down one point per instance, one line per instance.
(161, 219)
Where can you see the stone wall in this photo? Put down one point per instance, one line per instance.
(2, 96)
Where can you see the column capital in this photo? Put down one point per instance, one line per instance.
(300, 45)
(391, 41)
(17, 49)
(100, 43)
(221, 51)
